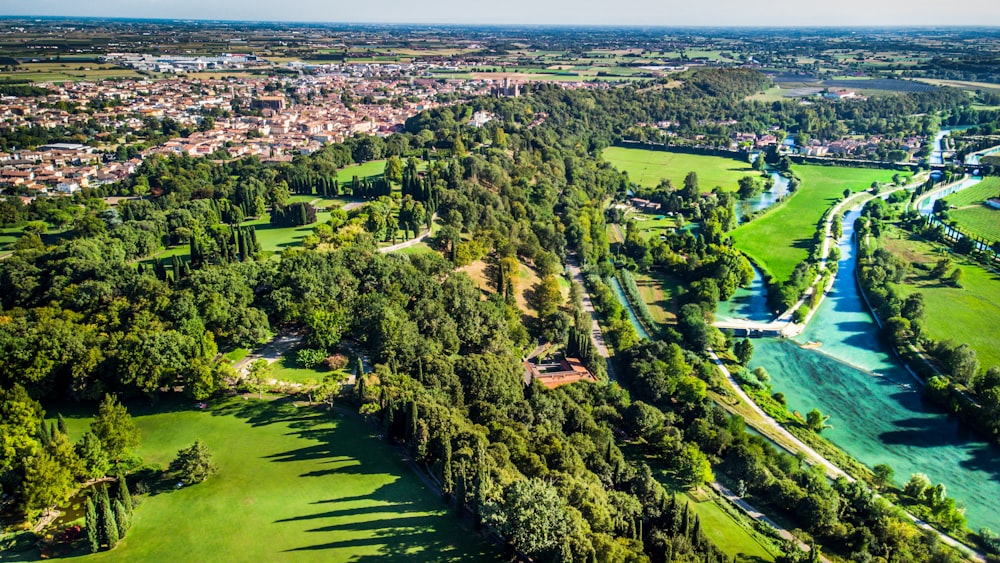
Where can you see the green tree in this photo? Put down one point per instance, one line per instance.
(109, 526)
(882, 475)
(122, 518)
(20, 418)
(816, 421)
(743, 350)
(115, 429)
(193, 464)
(90, 521)
(46, 484)
(123, 494)
(533, 517)
(393, 169)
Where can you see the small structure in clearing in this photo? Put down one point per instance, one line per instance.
(555, 373)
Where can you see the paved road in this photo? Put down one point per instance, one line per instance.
(596, 334)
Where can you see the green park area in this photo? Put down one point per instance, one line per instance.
(363, 171)
(965, 314)
(970, 212)
(651, 226)
(294, 483)
(728, 534)
(648, 168)
(65, 71)
(783, 237)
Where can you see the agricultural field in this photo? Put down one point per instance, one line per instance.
(660, 292)
(966, 314)
(647, 168)
(972, 214)
(780, 239)
(294, 483)
(65, 71)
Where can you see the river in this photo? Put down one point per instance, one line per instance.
(764, 199)
(875, 406)
(620, 294)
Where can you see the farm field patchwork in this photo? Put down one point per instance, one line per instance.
(294, 484)
(647, 167)
(783, 237)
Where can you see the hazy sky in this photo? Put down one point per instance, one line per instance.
(606, 12)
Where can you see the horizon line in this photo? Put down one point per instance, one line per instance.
(925, 26)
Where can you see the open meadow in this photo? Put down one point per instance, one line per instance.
(294, 484)
(647, 168)
(972, 214)
(964, 314)
(781, 238)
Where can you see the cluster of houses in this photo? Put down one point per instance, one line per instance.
(296, 115)
(60, 168)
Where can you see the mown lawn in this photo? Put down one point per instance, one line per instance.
(972, 214)
(979, 220)
(294, 484)
(967, 314)
(366, 170)
(647, 168)
(659, 291)
(783, 237)
(728, 535)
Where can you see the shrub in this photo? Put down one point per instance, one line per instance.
(337, 361)
(310, 357)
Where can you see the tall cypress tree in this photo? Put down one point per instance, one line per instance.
(122, 518)
(109, 527)
(123, 493)
(93, 531)
(447, 476)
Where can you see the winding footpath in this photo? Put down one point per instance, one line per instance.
(412, 242)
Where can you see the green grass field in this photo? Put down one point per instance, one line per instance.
(967, 314)
(783, 237)
(366, 170)
(321, 202)
(972, 214)
(989, 187)
(978, 220)
(288, 369)
(728, 535)
(647, 168)
(652, 225)
(294, 484)
(276, 239)
(659, 291)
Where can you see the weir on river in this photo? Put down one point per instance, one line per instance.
(878, 419)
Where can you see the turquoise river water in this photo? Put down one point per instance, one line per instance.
(875, 405)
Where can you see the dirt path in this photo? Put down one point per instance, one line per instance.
(752, 512)
(271, 351)
(412, 242)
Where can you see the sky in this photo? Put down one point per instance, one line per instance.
(566, 12)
